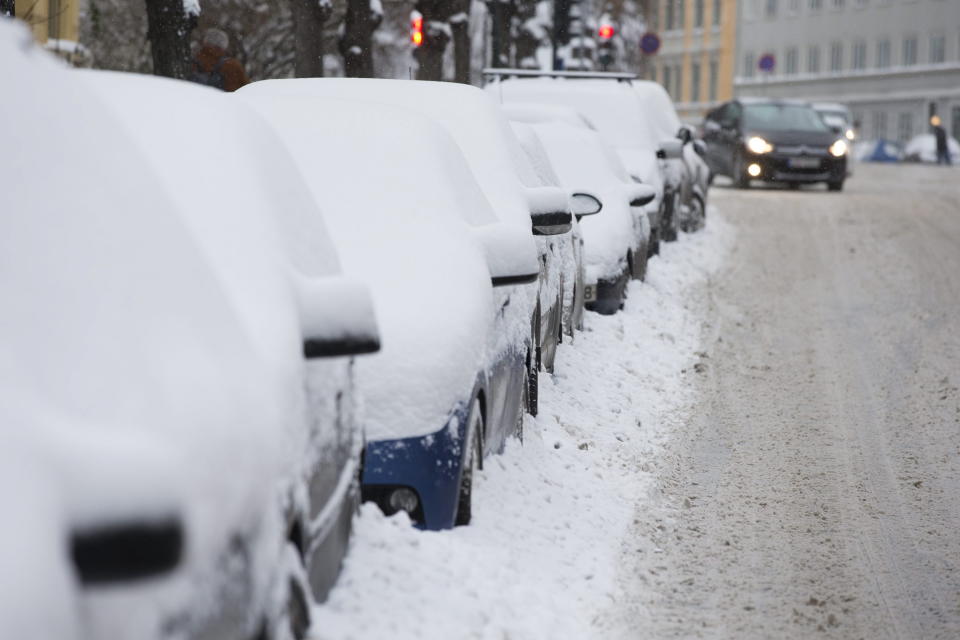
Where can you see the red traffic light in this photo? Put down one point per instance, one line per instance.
(606, 31)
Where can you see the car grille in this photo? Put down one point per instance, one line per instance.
(802, 150)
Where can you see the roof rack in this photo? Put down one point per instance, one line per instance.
(536, 73)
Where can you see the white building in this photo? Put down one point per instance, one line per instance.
(894, 62)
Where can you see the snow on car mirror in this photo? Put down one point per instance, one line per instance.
(684, 135)
(511, 254)
(549, 211)
(641, 194)
(585, 204)
(670, 150)
(337, 318)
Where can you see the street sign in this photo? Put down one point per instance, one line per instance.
(650, 43)
(767, 62)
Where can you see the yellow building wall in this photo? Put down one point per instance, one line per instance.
(51, 19)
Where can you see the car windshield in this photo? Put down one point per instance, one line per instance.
(782, 117)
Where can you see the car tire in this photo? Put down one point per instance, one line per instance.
(740, 178)
(472, 461)
(668, 224)
(698, 216)
(654, 248)
(793, 186)
(835, 186)
(524, 409)
(532, 389)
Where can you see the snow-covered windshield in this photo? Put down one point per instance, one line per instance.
(782, 117)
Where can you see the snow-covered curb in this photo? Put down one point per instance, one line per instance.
(541, 558)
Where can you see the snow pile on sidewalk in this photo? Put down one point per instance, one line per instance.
(541, 558)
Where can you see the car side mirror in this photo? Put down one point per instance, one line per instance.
(337, 318)
(122, 552)
(641, 194)
(511, 254)
(684, 135)
(549, 211)
(670, 149)
(585, 204)
(700, 147)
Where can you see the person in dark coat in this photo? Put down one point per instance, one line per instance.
(943, 151)
(214, 67)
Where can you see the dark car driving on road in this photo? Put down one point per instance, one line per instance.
(774, 141)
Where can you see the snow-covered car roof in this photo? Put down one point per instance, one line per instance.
(658, 107)
(612, 107)
(580, 161)
(535, 113)
(468, 115)
(396, 192)
(536, 154)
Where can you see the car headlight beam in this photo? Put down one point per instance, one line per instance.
(839, 148)
(758, 145)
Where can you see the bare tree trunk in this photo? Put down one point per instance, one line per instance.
(308, 19)
(436, 35)
(501, 15)
(356, 45)
(460, 27)
(8, 8)
(168, 29)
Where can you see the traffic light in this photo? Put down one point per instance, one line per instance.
(416, 28)
(605, 52)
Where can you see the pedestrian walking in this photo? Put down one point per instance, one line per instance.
(943, 151)
(213, 66)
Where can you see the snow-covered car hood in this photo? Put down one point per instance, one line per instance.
(400, 202)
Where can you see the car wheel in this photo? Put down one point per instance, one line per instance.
(793, 186)
(654, 248)
(471, 463)
(298, 612)
(698, 216)
(835, 186)
(532, 389)
(524, 409)
(740, 178)
(292, 620)
(668, 225)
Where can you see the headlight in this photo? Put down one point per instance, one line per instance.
(850, 134)
(839, 148)
(758, 145)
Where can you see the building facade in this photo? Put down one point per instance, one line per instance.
(895, 63)
(697, 58)
(55, 25)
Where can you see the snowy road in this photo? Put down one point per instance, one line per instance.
(815, 490)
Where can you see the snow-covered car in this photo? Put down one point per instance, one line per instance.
(614, 239)
(689, 175)
(923, 148)
(838, 117)
(569, 247)
(407, 215)
(241, 195)
(497, 162)
(622, 121)
(158, 362)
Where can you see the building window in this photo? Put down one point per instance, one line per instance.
(883, 54)
(695, 82)
(669, 17)
(678, 81)
(859, 56)
(791, 62)
(793, 7)
(909, 51)
(667, 77)
(771, 9)
(904, 126)
(879, 125)
(938, 49)
(54, 11)
(813, 59)
(714, 73)
(749, 64)
(717, 11)
(816, 5)
(838, 4)
(681, 8)
(698, 10)
(836, 57)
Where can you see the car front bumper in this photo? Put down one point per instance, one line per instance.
(782, 167)
(430, 465)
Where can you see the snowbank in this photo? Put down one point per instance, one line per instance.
(542, 558)
(923, 148)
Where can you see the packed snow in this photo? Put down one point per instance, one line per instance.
(542, 557)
